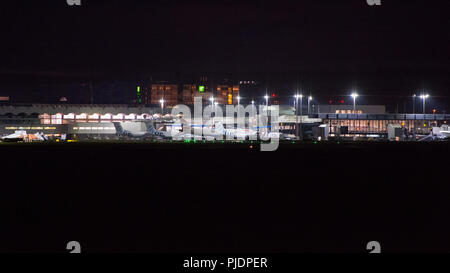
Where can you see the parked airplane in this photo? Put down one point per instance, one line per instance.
(235, 133)
(16, 137)
(252, 132)
(151, 132)
(22, 135)
(442, 132)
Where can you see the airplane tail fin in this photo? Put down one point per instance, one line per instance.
(184, 122)
(39, 136)
(150, 128)
(119, 128)
(219, 128)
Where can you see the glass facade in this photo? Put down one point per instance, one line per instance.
(378, 126)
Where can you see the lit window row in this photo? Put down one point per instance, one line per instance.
(30, 128)
(93, 128)
(348, 112)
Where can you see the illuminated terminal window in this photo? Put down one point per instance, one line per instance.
(348, 112)
(93, 128)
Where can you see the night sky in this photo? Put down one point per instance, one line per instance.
(329, 47)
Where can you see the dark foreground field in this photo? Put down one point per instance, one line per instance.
(225, 197)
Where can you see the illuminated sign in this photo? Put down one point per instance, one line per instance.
(139, 94)
(201, 88)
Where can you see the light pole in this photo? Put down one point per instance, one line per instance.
(267, 109)
(414, 120)
(309, 102)
(239, 111)
(424, 97)
(296, 114)
(162, 107)
(301, 108)
(212, 104)
(267, 104)
(301, 113)
(354, 96)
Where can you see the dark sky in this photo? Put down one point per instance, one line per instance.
(331, 46)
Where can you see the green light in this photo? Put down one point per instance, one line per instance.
(201, 88)
(138, 89)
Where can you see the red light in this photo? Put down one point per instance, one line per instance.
(330, 101)
(273, 95)
(342, 101)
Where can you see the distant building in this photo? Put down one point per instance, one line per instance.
(4, 99)
(142, 94)
(190, 91)
(166, 91)
(348, 109)
(227, 94)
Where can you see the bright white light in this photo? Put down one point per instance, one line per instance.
(238, 98)
(211, 99)
(161, 101)
(310, 98)
(424, 96)
(216, 103)
(253, 102)
(266, 97)
(354, 95)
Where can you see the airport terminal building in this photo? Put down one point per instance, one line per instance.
(93, 120)
(55, 119)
